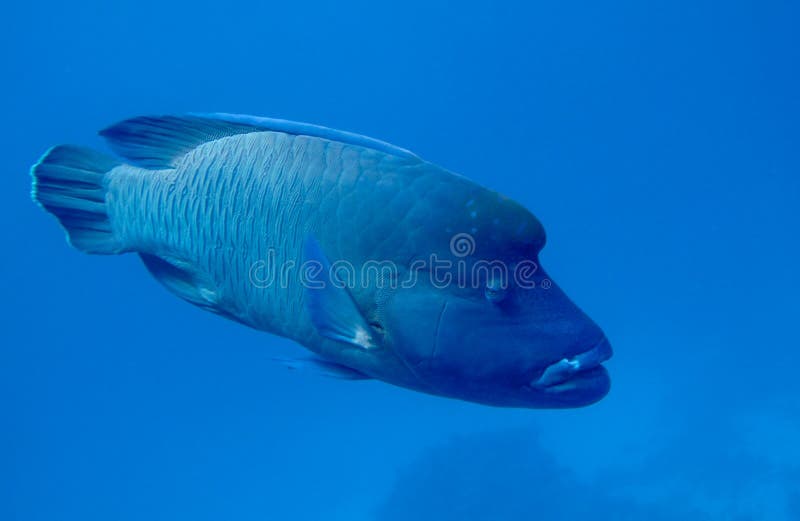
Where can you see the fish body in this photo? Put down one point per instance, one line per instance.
(335, 240)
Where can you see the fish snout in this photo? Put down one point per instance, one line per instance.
(582, 364)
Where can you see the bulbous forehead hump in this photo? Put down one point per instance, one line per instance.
(421, 210)
(497, 223)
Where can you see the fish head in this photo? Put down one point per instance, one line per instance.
(497, 330)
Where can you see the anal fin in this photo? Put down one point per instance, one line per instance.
(181, 278)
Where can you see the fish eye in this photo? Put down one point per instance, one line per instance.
(495, 291)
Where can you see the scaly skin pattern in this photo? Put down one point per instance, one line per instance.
(248, 202)
(228, 215)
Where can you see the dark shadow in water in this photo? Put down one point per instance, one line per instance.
(510, 476)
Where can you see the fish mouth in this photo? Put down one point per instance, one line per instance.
(579, 372)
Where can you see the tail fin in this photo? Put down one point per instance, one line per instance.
(70, 183)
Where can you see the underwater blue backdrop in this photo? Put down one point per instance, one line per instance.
(658, 142)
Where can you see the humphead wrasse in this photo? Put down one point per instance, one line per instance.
(382, 264)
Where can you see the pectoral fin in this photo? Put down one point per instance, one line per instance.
(332, 309)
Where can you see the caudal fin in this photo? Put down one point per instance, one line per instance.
(70, 183)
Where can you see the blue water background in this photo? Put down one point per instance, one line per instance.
(658, 143)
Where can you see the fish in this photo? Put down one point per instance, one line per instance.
(383, 265)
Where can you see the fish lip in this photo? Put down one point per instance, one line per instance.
(576, 367)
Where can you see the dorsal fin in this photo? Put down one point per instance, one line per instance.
(160, 141)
